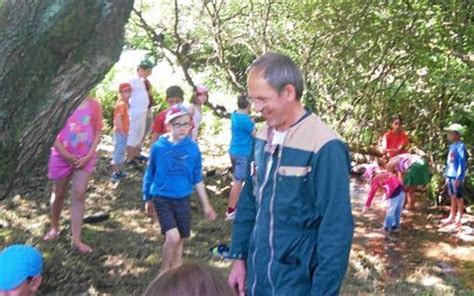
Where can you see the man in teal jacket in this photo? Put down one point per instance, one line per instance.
(293, 229)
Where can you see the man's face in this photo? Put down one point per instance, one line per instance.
(174, 100)
(266, 100)
(180, 127)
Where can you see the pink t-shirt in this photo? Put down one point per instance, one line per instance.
(405, 161)
(77, 137)
(80, 128)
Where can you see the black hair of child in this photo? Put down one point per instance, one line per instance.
(242, 102)
(174, 92)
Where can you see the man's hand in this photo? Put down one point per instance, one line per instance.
(149, 208)
(210, 213)
(457, 183)
(237, 277)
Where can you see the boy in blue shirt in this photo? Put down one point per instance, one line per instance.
(240, 149)
(456, 167)
(174, 168)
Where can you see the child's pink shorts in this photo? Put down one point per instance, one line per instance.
(59, 169)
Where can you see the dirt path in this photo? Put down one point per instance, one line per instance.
(420, 259)
(127, 246)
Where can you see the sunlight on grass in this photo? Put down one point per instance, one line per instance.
(6, 234)
(220, 264)
(424, 276)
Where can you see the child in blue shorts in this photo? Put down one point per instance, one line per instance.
(174, 168)
(456, 168)
(241, 144)
(121, 126)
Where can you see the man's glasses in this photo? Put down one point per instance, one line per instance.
(178, 124)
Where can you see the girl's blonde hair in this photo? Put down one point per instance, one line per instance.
(191, 279)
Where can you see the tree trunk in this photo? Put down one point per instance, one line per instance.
(52, 53)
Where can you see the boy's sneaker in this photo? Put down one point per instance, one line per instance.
(141, 158)
(117, 176)
(221, 251)
(133, 163)
(229, 216)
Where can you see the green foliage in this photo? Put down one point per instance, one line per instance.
(362, 61)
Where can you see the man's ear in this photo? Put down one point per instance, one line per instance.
(289, 92)
(35, 283)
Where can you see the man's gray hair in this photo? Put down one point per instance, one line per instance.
(279, 70)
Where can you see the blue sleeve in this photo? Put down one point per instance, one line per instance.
(244, 221)
(461, 161)
(149, 174)
(249, 125)
(337, 226)
(197, 174)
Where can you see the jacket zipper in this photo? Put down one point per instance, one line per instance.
(259, 198)
(272, 221)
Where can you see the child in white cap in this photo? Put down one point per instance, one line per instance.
(456, 168)
(174, 170)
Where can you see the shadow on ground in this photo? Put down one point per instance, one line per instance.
(126, 256)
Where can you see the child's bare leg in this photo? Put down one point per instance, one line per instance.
(460, 205)
(234, 194)
(130, 153)
(80, 179)
(116, 168)
(179, 254)
(452, 212)
(410, 198)
(170, 247)
(57, 200)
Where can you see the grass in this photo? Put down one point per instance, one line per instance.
(126, 257)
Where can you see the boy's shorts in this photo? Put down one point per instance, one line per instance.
(137, 129)
(120, 147)
(453, 190)
(174, 213)
(240, 165)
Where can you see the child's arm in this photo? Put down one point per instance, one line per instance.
(95, 143)
(462, 166)
(118, 122)
(147, 181)
(374, 186)
(96, 122)
(154, 137)
(403, 145)
(206, 205)
(64, 153)
(400, 177)
(384, 144)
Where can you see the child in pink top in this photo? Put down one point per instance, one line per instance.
(73, 157)
(394, 195)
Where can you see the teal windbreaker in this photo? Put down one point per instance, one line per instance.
(294, 222)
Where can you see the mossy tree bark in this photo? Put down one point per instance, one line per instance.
(51, 54)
